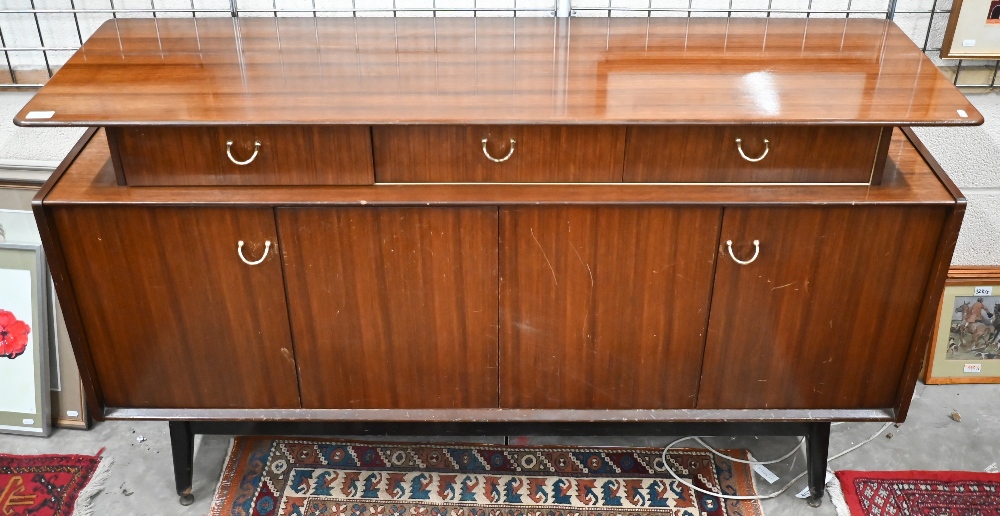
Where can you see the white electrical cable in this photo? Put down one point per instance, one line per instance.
(663, 457)
(734, 459)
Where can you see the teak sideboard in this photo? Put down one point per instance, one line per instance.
(476, 225)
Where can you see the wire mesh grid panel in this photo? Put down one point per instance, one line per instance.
(39, 36)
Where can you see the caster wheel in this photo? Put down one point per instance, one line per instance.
(186, 499)
(814, 502)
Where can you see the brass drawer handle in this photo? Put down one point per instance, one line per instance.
(756, 244)
(739, 147)
(229, 152)
(239, 249)
(499, 160)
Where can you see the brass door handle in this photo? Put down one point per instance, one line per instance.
(756, 244)
(239, 249)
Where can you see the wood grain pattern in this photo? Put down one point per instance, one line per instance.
(56, 259)
(203, 71)
(553, 154)
(288, 155)
(709, 154)
(823, 318)
(604, 307)
(172, 316)
(393, 308)
(907, 180)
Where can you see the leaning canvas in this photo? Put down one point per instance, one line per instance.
(24, 404)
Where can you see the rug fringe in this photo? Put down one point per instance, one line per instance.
(84, 505)
(216, 508)
(837, 496)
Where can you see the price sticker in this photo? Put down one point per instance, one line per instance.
(973, 368)
(984, 291)
(27, 422)
(765, 473)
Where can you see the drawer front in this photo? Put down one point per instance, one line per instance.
(753, 154)
(253, 155)
(498, 154)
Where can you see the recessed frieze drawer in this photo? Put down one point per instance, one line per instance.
(755, 154)
(498, 154)
(242, 155)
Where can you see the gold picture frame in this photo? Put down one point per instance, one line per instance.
(973, 30)
(966, 339)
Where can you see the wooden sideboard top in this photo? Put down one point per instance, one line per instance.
(202, 71)
(908, 179)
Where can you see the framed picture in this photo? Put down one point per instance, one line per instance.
(966, 345)
(17, 225)
(24, 321)
(973, 30)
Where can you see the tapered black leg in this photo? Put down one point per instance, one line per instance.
(817, 450)
(182, 446)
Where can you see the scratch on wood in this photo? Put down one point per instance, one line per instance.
(587, 265)
(547, 262)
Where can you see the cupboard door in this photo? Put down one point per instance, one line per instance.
(174, 318)
(823, 317)
(393, 307)
(604, 308)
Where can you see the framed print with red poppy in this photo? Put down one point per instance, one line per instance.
(24, 322)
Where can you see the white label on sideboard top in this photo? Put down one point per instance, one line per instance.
(973, 368)
(984, 291)
(962, 113)
(39, 114)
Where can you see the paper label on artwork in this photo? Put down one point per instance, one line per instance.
(18, 373)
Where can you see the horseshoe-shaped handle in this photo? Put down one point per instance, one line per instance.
(239, 249)
(739, 147)
(756, 244)
(229, 152)
(499, 160)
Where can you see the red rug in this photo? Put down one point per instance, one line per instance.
(302, 476)
(921, 493)
(50, 485)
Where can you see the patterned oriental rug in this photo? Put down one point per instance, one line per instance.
(921, 493)
(297, 476)
(51, 485)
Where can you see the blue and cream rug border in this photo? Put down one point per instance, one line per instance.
(266, 476)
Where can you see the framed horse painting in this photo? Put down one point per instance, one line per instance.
(966, 346)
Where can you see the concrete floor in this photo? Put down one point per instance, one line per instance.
(142, 479)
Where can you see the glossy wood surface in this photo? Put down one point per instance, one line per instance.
(823, 318)
(907, 180)
(52, 245)
(393, 307)
(227, 71)
(172, 316)
(604, 307)
(418, 154)
(288, 155)
(711, 154)
(923, 334)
